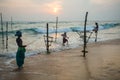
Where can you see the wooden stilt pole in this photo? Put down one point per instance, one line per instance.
(2, 32)
(56, 29)
(84, 48)
(89, 36)
(47, 46)
(96, 36)
(7, 36)
(11, 24)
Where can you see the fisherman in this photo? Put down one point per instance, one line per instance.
(96, 30)
(96, 27)
(20, 55)
(65, 38)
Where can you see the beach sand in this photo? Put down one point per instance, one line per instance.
(102, 62)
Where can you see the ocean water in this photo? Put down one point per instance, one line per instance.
(33, 35)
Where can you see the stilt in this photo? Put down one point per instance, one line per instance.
(84, 47)
(89, 36)
(56, 29)
(47, 46)
(7, 36)
(11, 24)
(96, 36)
(2, 32)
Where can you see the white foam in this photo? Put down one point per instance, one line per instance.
(1, 69)
(8, 62)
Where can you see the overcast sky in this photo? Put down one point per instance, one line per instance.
(37, 10)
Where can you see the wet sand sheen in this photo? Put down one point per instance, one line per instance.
(101, 63)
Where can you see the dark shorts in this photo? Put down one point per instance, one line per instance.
(64, 40)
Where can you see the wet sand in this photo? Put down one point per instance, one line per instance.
(102, 62)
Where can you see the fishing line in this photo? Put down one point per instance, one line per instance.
(33, 41)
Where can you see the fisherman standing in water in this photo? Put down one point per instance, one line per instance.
(65, 38)
(96, 30)
(20, 55)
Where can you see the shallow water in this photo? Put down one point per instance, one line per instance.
(33, 36)
(34, 39)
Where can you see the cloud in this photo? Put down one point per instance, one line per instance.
(69, 9)
(33, 5)
(104, 2)
(51, 6)
(16, 3)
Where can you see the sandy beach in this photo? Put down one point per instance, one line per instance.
(102, 62)
(37, 24)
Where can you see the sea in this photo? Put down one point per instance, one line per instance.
(34, 36)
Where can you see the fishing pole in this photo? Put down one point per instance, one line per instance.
(32, 41)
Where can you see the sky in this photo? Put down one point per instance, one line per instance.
(66, 10)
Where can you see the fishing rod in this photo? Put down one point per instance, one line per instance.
(32, 41)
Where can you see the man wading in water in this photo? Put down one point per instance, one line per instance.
(65, 38)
